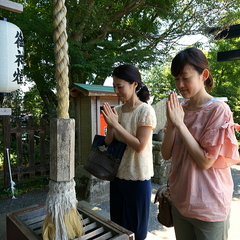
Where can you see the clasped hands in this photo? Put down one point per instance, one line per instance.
(174, 110)
(110, 115)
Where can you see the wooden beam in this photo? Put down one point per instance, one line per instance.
(228, 55)
(11, 6)
(232, 31)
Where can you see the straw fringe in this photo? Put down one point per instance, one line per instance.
(63, 221)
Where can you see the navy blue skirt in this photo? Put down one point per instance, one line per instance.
(130, 205)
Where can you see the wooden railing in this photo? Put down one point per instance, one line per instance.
(28, 146)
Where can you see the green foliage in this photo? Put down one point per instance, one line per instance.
(1, 159)
(14, 101)
(37, 26)
(8, 192)
(28, 104)
(25, 186)
(226, 75)
(33, 104)
(159, 82)
(103, 34)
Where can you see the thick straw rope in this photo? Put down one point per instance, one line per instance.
(61, 57)
(63, 221)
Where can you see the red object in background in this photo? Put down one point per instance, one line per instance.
(103, 126)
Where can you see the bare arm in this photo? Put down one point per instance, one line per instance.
(167, 143)
(109, 137)
(139, 142)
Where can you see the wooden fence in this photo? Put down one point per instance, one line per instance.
(28, 146)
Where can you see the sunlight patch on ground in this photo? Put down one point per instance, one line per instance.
(166, 234)
(237, 167)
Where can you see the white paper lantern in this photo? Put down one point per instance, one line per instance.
(11, 56)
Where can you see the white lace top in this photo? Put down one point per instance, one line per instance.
(136, 166)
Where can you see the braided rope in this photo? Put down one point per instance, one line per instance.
(61, 57)
(63, 221)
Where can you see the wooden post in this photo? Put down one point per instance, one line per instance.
(228, 55)
(62, 145)
(31, 148)
(11, 6)
(6, 144)
(43, 159)
(19, 148)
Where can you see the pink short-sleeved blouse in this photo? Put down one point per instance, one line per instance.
(205, 194)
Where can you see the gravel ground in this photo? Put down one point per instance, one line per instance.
(32, 197)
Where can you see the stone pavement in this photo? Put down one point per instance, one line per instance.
(156, 230)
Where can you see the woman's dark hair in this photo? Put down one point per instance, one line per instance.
(195, 58)
(131, 74)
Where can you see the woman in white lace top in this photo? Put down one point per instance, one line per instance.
(132, 123)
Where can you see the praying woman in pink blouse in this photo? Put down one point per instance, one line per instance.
(200, 139)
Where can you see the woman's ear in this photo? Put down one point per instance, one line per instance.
(135, 84)
(205, 74)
